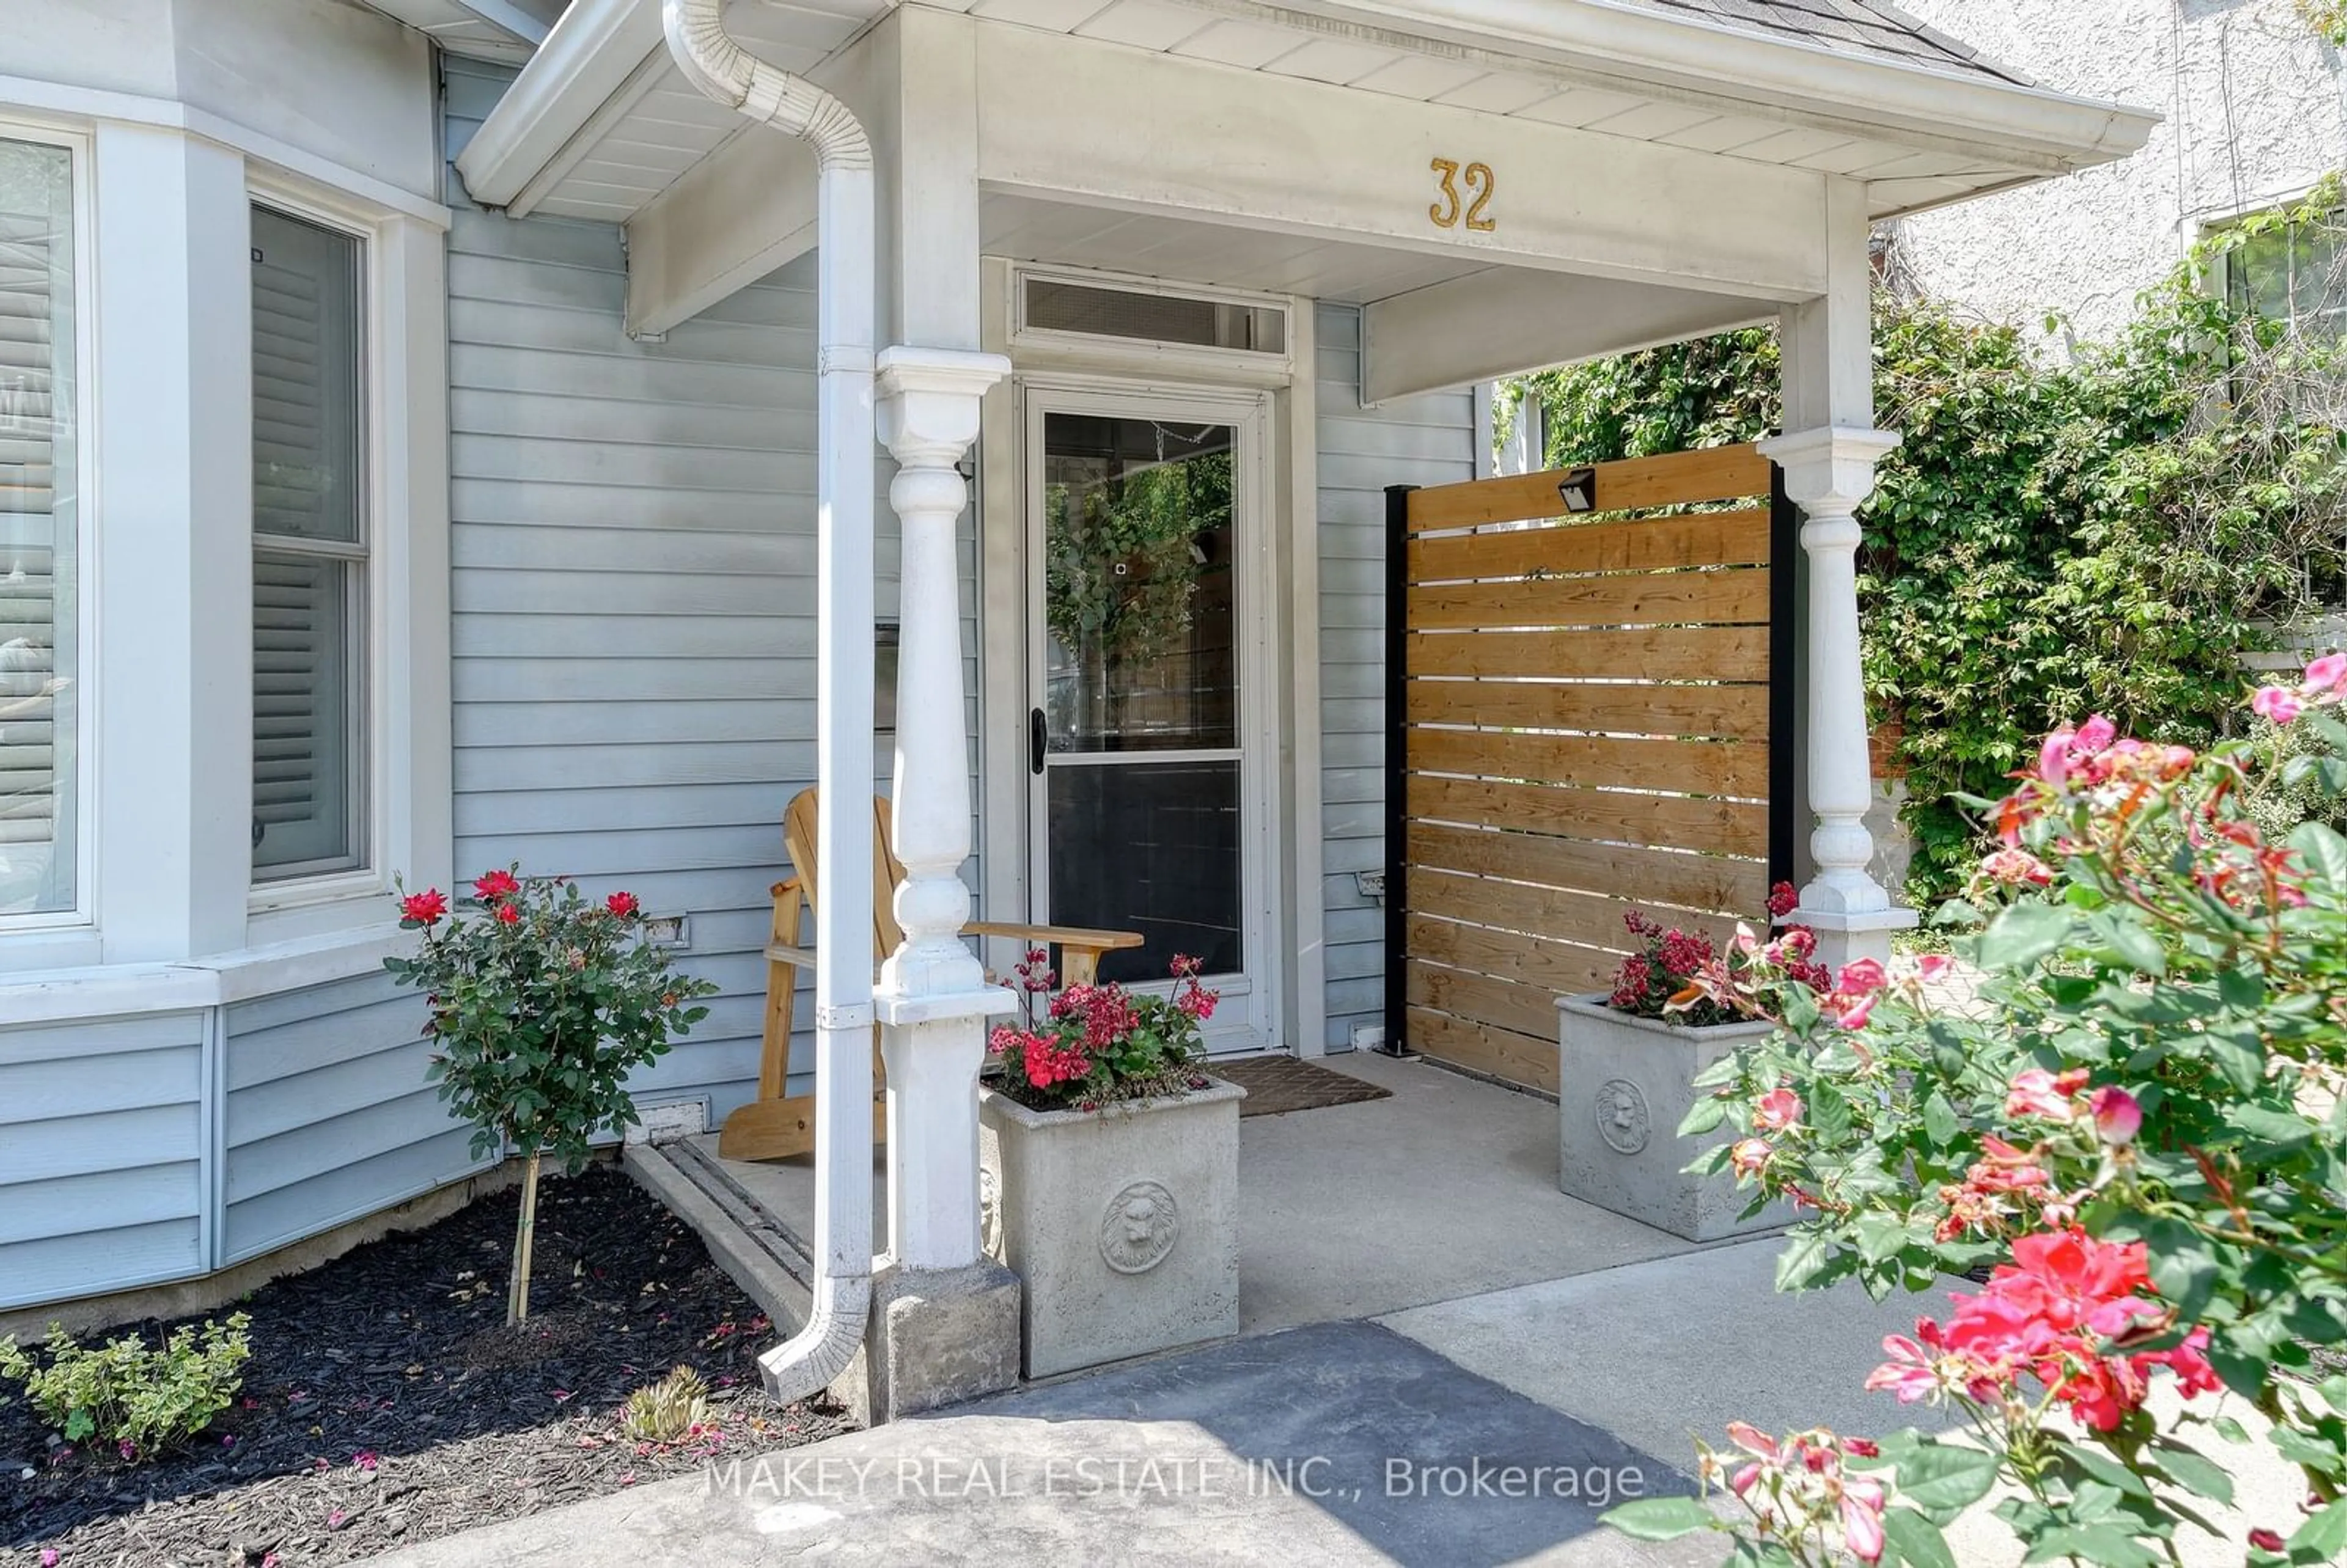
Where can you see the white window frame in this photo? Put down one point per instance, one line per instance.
(82, 917)
(1050, 348)
(163, 874)
(299, 887)
(296, 906)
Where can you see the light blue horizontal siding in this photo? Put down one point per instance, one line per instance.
(633, 544)
(103, 1183)
(1427, 440)
(328, 1114)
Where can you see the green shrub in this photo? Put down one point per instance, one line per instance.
(2105, 535)
(127, 1395)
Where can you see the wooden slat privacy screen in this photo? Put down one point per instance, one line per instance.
(1582, 721)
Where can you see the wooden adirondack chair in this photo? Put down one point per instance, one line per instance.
(776, 1125)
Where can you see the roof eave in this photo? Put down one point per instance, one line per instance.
(2041, 131)
(589, 53)
(2028, 131)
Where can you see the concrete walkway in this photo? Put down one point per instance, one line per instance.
(1391, 1440)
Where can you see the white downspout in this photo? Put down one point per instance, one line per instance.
(719, 68)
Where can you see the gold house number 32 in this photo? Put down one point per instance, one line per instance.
(1474, 206)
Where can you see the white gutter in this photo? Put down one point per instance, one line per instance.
(719, 68)
(588, 57)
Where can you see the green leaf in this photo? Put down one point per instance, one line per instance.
(1804, 1261)
(2192, 1471)
(1660, 1518)
(2323, 1537)
(2022, 934)
(1703, 1116)
(1943, 1479)
(1940, 1124)
(2322, 849)
(2104, 1545)
(1916, 1541)
(2125, 936)
(2183, 1264)
(2281, 1131)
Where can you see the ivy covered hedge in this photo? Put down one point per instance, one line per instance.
(2052, 540)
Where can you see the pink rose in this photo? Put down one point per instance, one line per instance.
(2117, 1116)
(2325, 672)
(2277, 702)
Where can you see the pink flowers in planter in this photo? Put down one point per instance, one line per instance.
(1094, 1042)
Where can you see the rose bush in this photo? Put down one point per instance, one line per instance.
(541, 1003)
(2136, 1128)
(1090, 1044)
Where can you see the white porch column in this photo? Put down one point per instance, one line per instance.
(934, 1000)
(1828, 473)
(1827, 454)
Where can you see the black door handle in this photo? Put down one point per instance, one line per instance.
(1039, 739)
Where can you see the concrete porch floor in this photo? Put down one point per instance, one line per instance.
(1445, 1189)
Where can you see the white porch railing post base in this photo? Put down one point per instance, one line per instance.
(1828, 472)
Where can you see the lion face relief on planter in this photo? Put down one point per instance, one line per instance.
(1623, 1089)
(1121, 1222)
(1628, 1061)
(1109, 1170)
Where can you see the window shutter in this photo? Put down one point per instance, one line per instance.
(37, 555)
(305, 522)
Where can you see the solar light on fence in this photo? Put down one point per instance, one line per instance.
(1578, 490)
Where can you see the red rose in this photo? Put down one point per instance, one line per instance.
(425, 908)
(623, 905)
(497, 884)
(508, 916)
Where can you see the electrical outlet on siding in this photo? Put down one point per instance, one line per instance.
(668, 931)
(1368, 1036)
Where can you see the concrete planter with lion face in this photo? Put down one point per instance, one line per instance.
(1623, 1089)
(1122, 1223)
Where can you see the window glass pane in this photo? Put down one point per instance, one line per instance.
(306, 379)
(39, 504)
(309, 569)
(1152, 847)
(301, 714)
(1142, 653)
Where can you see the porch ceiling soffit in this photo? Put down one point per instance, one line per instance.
(1510, 321)
(599, 123)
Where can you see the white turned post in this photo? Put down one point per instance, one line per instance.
(1828, 473)
(933, 1000)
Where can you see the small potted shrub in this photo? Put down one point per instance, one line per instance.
(1109, 1170)
(542, 1002)
(1628, 1059)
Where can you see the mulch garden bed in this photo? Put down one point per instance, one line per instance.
(387, 1403)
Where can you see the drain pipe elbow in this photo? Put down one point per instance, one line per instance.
(719, 67)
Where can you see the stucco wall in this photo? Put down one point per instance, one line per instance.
(2256, 111)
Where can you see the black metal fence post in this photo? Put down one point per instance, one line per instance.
(1397, 758)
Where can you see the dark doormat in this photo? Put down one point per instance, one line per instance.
(1278, 1084)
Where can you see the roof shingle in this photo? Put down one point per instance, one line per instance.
(1869, 27)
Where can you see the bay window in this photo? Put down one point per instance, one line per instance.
(40, 504)
(310, 549)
